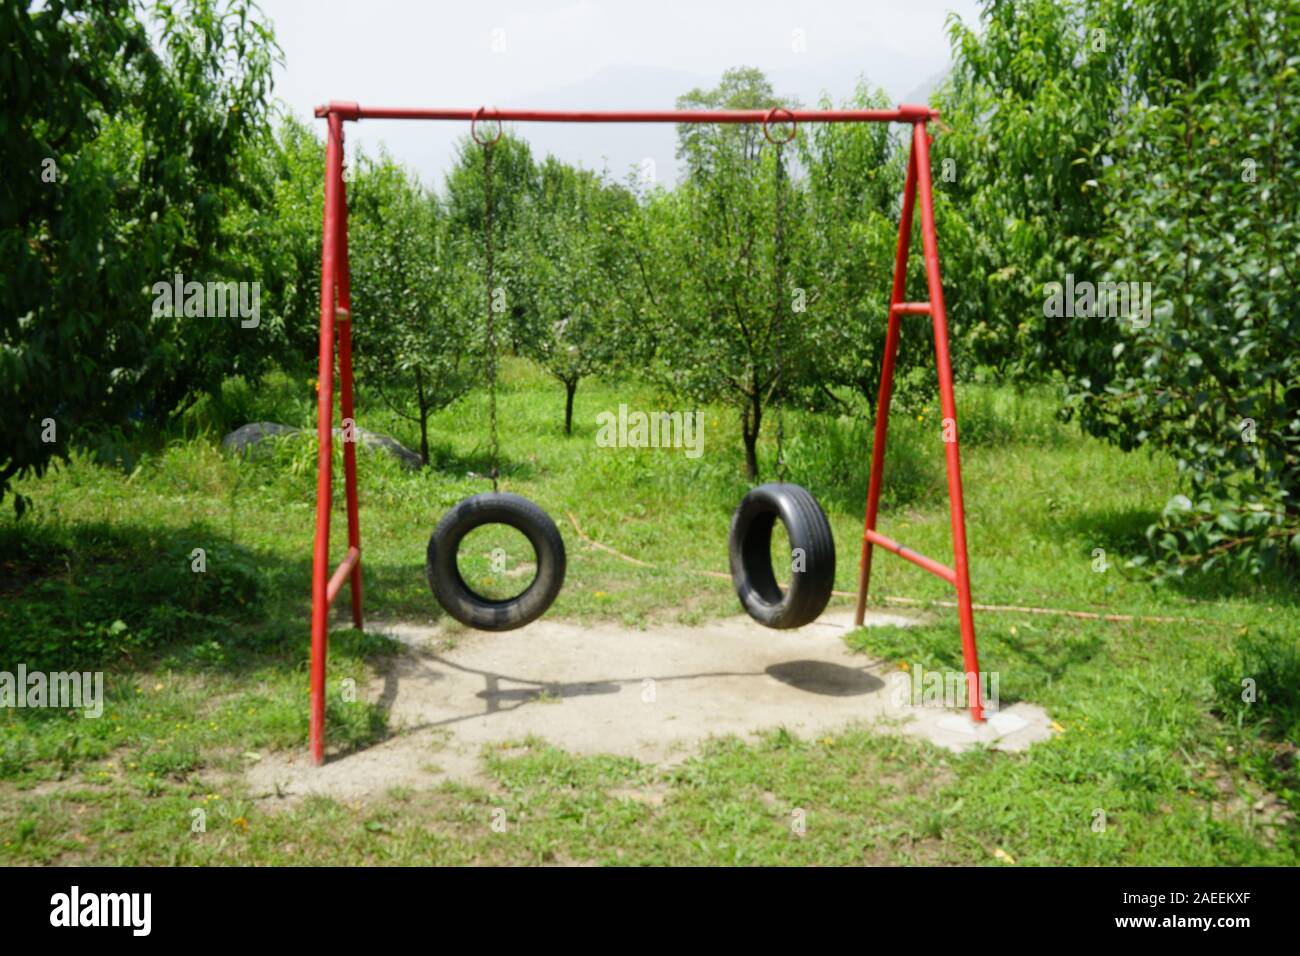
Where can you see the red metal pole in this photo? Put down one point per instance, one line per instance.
(348, 408)
(904, 113)
(886, 383)
(930, 245)
(320, 605)
(920, 560)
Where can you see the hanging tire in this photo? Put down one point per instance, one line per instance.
(473, 609)
(812, 562)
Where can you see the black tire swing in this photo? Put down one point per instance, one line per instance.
(441, 567)
(812, 564)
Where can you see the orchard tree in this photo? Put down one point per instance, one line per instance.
(570, 263)
(514, 180)
(722, 330)
(128, 139)
(1032, 99)
(289, 231)
(853, 178)
(705, 146)
(1202, 202)
(1148, 142)
(414, 303)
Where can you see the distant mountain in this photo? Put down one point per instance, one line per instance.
(890, 70)
(923, 92)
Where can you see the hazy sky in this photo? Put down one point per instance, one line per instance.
(599, 54)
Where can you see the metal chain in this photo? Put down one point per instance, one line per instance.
(779, 318)
(494, 448)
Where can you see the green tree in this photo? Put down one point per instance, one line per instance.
(853, 175)
(1202, 201)
(1110, 141)
(288, 228)
(122, 158)
(514, 182)
(414, 303)
(569, 265)
(1032, 99)
(720, 328)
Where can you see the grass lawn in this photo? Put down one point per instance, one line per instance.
(1156, 762)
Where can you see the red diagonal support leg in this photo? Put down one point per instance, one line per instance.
(918, 181)
(886, 384)
(939, 316)
(320, 603)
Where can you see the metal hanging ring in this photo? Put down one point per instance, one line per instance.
(473, 127)
(773, 117)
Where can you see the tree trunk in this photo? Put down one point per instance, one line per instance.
(569, 389)
(751, 419)
(870, 392)
(424, 419)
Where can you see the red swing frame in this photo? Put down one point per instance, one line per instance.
(336, 333)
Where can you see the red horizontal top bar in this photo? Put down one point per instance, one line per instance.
(904, 113)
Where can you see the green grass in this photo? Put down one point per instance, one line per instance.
(207, 672)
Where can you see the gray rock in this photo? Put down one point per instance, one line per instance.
(408, 458)
(246, 437)
(243, 438)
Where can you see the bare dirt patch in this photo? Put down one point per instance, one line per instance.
(652, 694)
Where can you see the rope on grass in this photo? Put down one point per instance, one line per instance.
(1060, 612)
(573, 519)
(919, 602)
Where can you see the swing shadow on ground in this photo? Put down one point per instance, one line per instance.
(821, 678)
